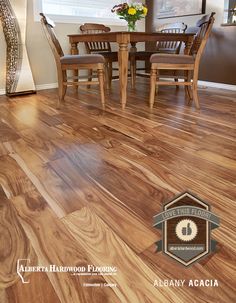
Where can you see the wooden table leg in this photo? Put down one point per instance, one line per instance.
(75, 51)
(123, 57)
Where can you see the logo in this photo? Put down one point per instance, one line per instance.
(24, 269)
(186, 223)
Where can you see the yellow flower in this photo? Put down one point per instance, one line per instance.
(131, 11)
(145, 10)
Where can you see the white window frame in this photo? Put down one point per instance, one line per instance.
(76, 19)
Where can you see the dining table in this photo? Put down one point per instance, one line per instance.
(127, 42)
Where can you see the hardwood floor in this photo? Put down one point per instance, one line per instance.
(80, 186)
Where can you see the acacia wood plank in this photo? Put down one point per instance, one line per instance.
(61, 198)
(207, 146)
(130, 128)
(9, 119)
(112, 173)
(125, 117)
(39, 289)
(40, 101)
(29, 117)
(130, 228)
(3, 296)
(166, 154)
(14, 244)
(7, 133)
(64, 196)
(2, 193)
(100, 244)
(53, 244)
(45, 149)
(12, 179)
(180, 160)
(3, 150)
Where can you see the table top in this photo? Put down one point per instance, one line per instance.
(131, 36)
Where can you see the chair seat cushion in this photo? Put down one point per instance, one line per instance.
(82, 59)
(172, 59)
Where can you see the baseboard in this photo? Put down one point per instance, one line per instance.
(200, 83)
(206, 84)
(38, 87)
(217, 85)
(46, 86)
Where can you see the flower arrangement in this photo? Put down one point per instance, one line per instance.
(131, 13)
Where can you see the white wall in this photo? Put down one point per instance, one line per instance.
(40, 56)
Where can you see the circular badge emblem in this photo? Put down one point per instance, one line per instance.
(186, 230)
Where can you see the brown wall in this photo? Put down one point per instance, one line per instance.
(218, 63)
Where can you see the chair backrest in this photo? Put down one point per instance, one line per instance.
(204, 26)
(48, 26)
(171, 46)
(93, 28)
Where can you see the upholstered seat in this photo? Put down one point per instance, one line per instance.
(171, 59)
(82, 59)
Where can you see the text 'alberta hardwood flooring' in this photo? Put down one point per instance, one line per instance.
(80, 186)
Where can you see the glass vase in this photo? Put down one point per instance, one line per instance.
(131, 26)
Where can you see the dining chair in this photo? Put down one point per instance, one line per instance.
(103, 48)
(64, 63)
(187, 63)
(170, 47)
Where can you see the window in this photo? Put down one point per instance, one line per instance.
(79, 11)
(230, 12)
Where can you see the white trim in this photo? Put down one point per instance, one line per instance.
(46, 86)
(38, 87)
(217, 85)
(206, 84)
(201, 83)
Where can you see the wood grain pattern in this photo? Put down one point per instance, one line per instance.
(38, 290)
(3, 150)
(14, 244)
(118, 216)
(104, 245)
(12, 179)
(7, 133)
(81, 185)
(43, 148)
(54, 245)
